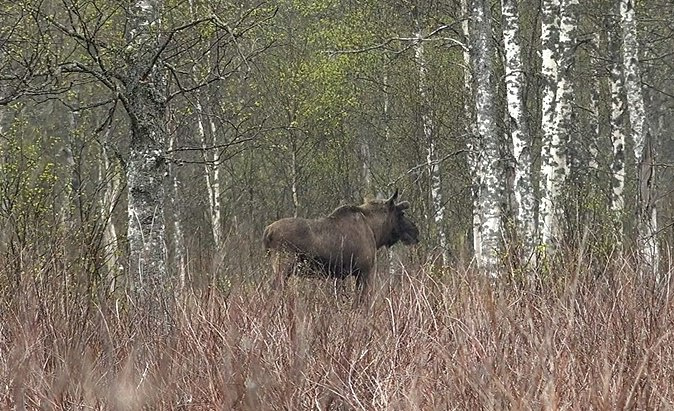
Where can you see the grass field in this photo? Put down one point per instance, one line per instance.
(585, 337)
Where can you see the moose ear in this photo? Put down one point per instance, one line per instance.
(391, 201)
(403, 205)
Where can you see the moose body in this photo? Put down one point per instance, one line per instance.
(343, 243)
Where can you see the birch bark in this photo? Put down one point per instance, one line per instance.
(519, 130)
(595, 108)
(209, 156)
(470, 126)
(617, 123)
(552, 162)
(212, 175)
(490, 187)
(294, 186)
(647, 248)
(179, 254)
(109, 175)
(145, 103)
(366, 160)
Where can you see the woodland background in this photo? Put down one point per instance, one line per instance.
(146, 144)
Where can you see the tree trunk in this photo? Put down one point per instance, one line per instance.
(294, 177)
(366, 161)
(519, 130)
(212, 174)
(492, 176)
(179, 254)
(437, 208)
(553, 163)
(471, 132)
(145, 103)
(617, 123)
(564, 115)
(647, 248)
(595, 109)
(110, 178)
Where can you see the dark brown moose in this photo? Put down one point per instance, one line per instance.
(343, 243)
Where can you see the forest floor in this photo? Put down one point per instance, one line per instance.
(430, 339)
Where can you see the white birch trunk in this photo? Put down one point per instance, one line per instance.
(366, 158)
(519, 130)
(617, 123)
(179, 258)
(552, 161)
(212, 175)
(216, 211)
(294, 177)
(490, 189)
(471, 131)
(211, 166)
(437, 208)
(564, 98)
(145, 104)
(392, 261)
(595, 104)
(647, 247)
(109, 175)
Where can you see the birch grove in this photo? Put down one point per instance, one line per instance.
(275, 109)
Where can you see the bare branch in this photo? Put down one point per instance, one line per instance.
(411, 40)
(168, 40)
(425, 165)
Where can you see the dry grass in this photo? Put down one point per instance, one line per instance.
(582, 339)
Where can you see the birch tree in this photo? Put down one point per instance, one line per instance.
(110, 176)
(617, 119)
(209, 155)
(555, 167)
(470, 126)
(596, 100)
(519, 129)
(437, 208)
(211, 172)
(552, 161)
(145, 104)
(647, 247)
(179, 253)
(490, 192)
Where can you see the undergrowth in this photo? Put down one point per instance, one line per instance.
(581, 339)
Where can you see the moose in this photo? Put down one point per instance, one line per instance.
(341, 244)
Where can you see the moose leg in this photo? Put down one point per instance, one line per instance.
(362, 286)
(283, 266)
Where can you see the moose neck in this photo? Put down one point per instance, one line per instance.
(380, 227)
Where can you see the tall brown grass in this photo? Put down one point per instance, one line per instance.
(581, 337)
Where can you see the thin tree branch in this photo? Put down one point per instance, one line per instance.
(425, 165)
(410, 40)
